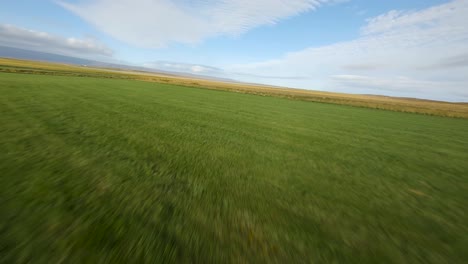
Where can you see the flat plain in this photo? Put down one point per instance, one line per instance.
(100, 170)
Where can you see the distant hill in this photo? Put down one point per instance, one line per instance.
(15, 53)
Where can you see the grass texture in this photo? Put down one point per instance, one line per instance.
(98, 170)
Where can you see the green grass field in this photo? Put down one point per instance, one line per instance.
(117, 171)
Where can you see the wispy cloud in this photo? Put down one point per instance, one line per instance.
(18, 37)
(398, 53)
(148, 23)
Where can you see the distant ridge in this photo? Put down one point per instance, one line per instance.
(16, 53)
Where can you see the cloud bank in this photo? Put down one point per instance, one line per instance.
(18, 37)
(185, 68)
(155, 23)
(404, 53)
(205, 70)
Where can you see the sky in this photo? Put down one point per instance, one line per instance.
(416, 48)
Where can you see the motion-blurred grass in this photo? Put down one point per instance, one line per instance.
(116, 171)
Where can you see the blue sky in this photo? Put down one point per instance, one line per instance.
(415, 48)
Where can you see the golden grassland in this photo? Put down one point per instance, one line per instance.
(409, 105)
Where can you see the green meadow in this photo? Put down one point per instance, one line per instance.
(99, 170)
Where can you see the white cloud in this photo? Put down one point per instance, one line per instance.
(401, 53)
(198, 68)
(154, 23)
(18, 37)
